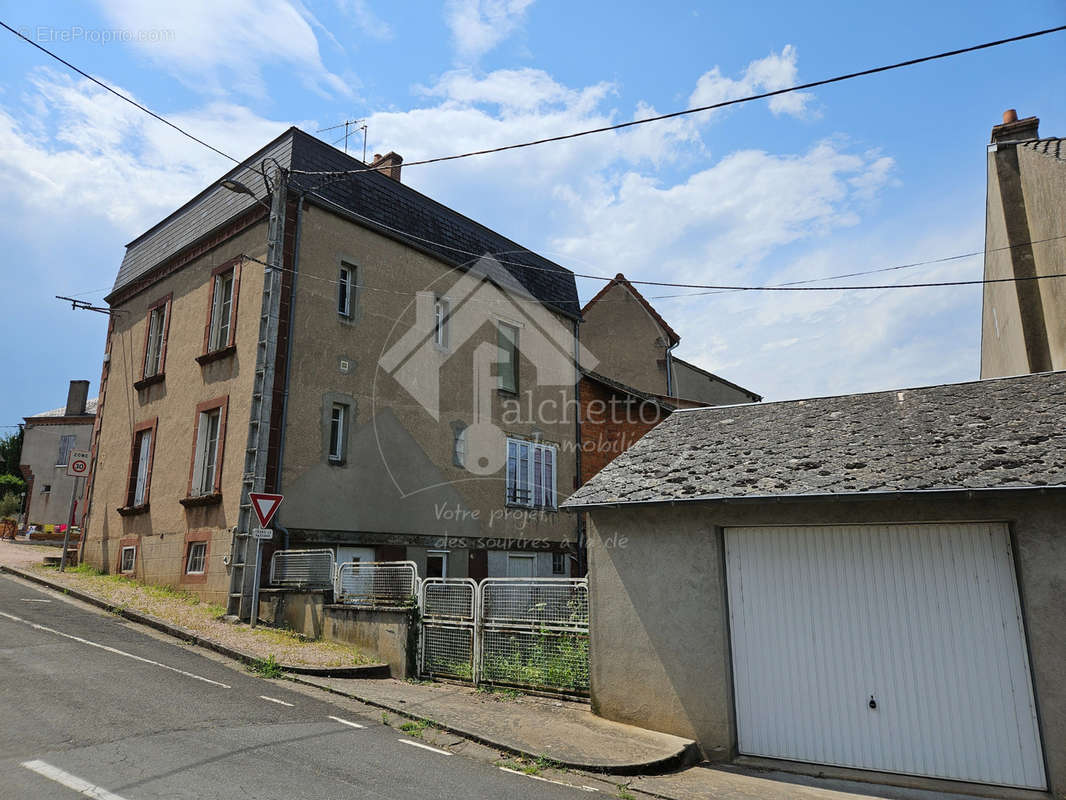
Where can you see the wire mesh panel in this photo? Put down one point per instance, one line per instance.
(312, 569)
(533, 632)
(449, 616)
(377, 583)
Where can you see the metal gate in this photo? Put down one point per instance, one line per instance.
(449, 622)
(530, 633)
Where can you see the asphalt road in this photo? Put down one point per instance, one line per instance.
(91, 705)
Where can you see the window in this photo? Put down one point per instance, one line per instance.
(46, 489)
(129, 556)
(155, 340)
(221, 326)
(507, 357)
(437, 564)
(140, 467)
(337, 420)
(208, 447)
(558, 563)
(530, 474)
(521, 565)
(66, 444)
(345, 282)
(196, 560)
(441, 314)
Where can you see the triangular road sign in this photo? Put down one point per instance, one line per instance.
(265, 506)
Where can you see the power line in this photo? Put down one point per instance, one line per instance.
(761, 96)
(117, 94)
(563, 137)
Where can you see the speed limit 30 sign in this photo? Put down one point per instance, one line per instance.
(78, 463)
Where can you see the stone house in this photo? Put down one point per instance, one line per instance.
(407, 394)
(866, 586)
(48, 439)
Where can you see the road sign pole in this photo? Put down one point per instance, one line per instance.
(255, 586)
(70, 522)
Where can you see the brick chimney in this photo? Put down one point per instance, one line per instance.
(1014, 129)
(389, 164)
(77, 398)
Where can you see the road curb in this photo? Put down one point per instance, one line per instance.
(683, 757)
(191, 637)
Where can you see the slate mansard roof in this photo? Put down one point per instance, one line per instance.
(381, 203)
(993, 434)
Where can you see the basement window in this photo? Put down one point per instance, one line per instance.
(195, 563)
(129, 558)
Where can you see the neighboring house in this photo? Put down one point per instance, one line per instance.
(870, 582)
(634, 345)
(48, 440)
(1024, 321)
(398, 404)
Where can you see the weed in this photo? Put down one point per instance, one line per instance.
(385, 718)
(266, 667)
(624, 793)
(415, 728)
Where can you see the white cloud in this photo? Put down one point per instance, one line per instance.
(218, 47)
(477, 26)
(776, 71)
(369, 22)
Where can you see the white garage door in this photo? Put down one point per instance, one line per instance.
(889, 647)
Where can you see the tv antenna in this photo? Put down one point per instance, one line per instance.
(350, 126)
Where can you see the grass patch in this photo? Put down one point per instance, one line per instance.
(624, 793)
(266, 667)
(499, 692)
(415, 728)
(530, 766)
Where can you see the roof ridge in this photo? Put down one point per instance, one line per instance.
(622, 280)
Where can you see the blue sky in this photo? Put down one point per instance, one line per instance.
(873, 172)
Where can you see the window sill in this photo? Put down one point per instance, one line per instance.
(144, 383)
(130, 511)
(212, 499)
(216, 355)
(507, 393)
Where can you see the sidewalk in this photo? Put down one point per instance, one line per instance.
(566, 733)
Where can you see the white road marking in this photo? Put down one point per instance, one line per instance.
(413, 743)
(113, 650)
(34, 600)
(346, 722)
(275, 700)
(70, 781)
(548, 780)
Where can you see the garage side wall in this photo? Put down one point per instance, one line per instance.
(660, 648)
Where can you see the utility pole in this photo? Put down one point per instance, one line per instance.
(245, 564)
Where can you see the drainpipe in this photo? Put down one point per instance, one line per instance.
(670, 369)
(582, 560)
(288, 358)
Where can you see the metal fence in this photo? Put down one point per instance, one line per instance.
(525, 632)
(449, 622)
(534, 633)
(313, 569)
(377, 583)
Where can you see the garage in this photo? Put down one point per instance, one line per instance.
(896, 648)
(864, 586)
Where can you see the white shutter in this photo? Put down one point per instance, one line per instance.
(924, 619)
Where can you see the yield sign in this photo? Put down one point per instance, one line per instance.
(265, 506)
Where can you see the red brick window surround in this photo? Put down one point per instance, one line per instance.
(139, 473)
(195, 556)
(220, 332)
(208, 449)
(156, 333)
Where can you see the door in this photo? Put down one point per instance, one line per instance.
(897, 648)
(521, 565)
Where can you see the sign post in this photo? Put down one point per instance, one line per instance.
(77, 467)
(265, 507)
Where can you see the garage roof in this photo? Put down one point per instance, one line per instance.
(992, 434)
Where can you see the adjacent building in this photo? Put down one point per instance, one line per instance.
(48, 440)
(1024, 319)
(863, 582)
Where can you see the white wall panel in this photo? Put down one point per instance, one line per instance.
(923, 618)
